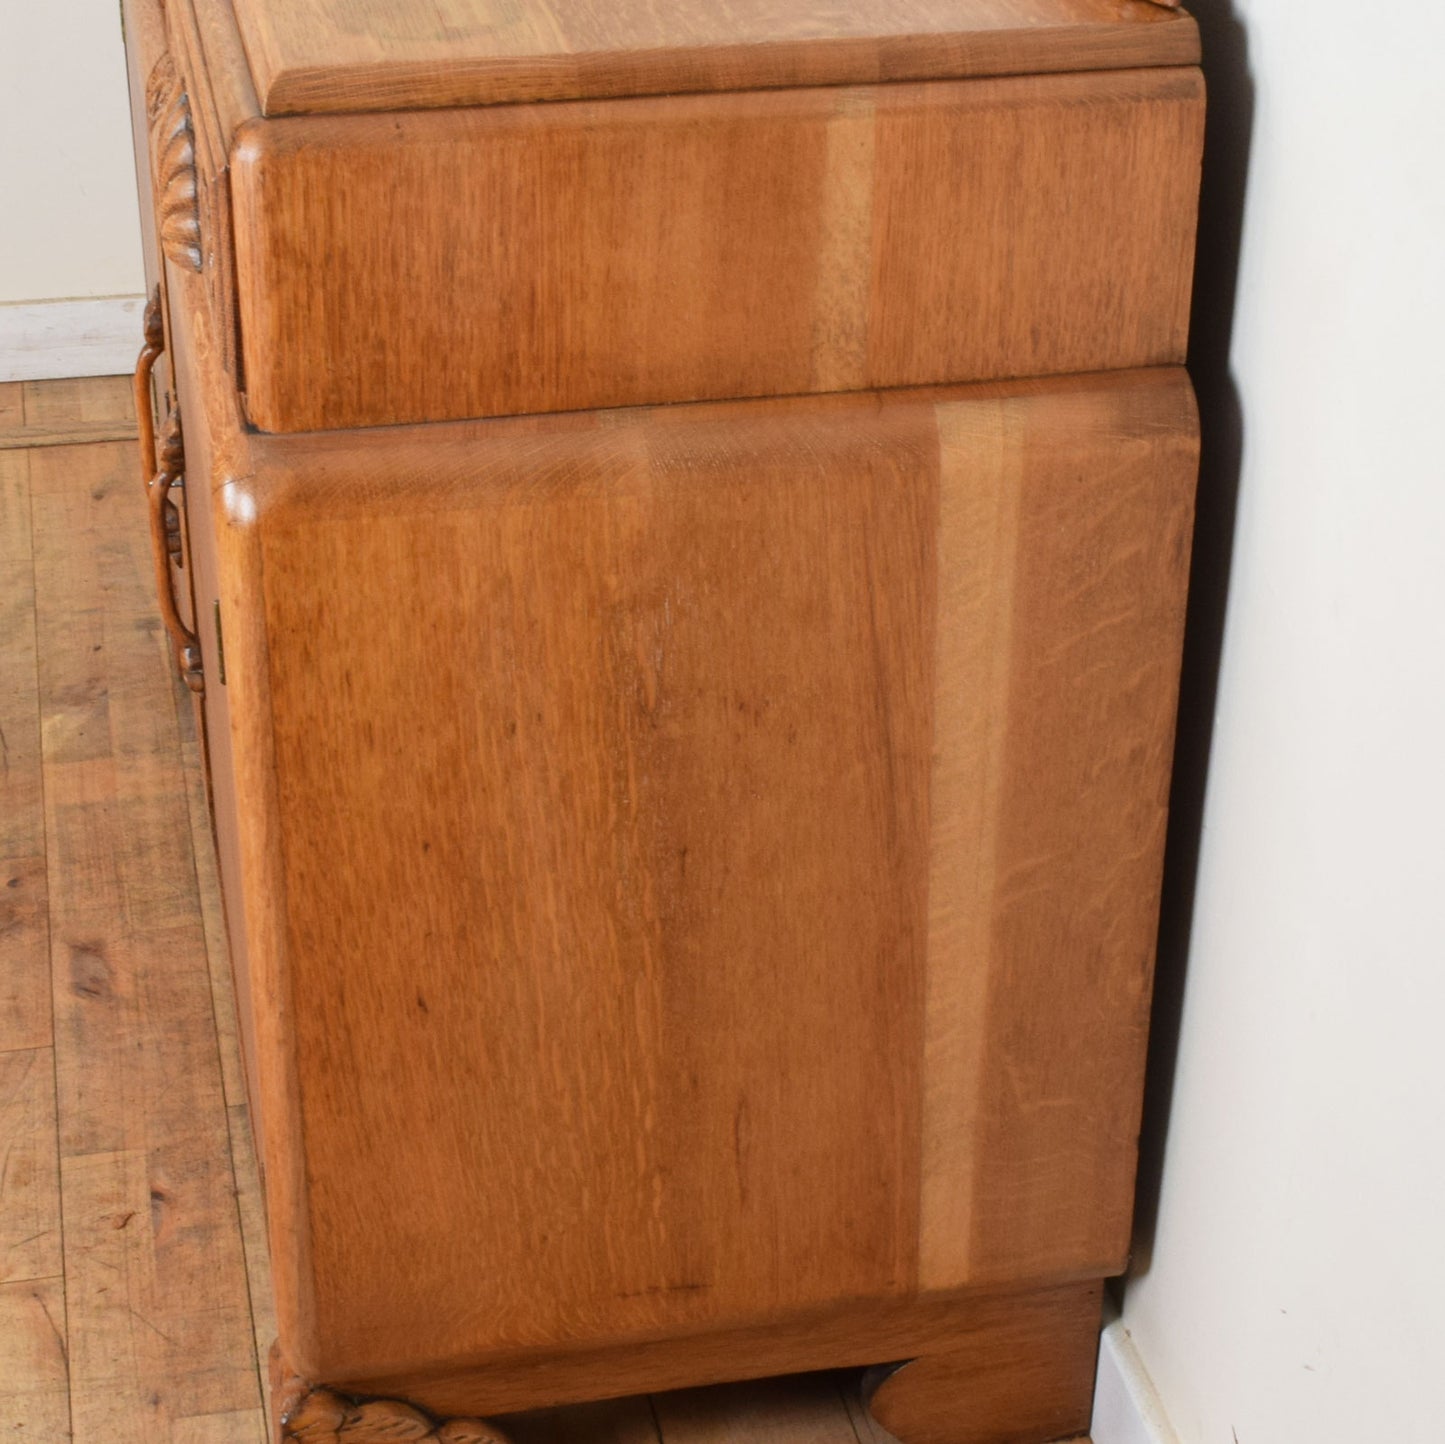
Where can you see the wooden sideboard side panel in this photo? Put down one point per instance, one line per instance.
(691, 872)
(642, 856)
(606, 254)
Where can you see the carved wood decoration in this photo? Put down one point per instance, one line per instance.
(310, 1415)
(173, 165)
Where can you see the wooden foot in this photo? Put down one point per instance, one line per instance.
(311, 1414)
(1025, 1379)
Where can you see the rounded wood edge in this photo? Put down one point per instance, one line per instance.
(307, 1413)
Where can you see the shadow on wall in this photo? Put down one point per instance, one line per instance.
(1221, 208)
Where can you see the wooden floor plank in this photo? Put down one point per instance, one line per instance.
(85, 401)
(34, 1403)
(24, 939)
(159, 1320)
(29, 1177)
(66, 413)
(79, 434)
(247, 1427)
(14, 515)
(12, 405)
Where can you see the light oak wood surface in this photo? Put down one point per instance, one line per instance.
(347, 55)
(1016, 1167)
(591, 782)
(1031, 1380)
(154, 959)
(704, 247)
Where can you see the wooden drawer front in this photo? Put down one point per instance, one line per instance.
(717, 851)
(437, 265)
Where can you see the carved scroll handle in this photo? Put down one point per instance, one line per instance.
(155, 343)
(165, 535)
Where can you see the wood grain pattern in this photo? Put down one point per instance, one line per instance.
(33, 1377)
(33, 1396)
(24, 935)
(12, 407)
(81, 433)
(788, 552)
(347, 55)
(1050, 865)
(34, 1400)
(1027, 1380)
(708, 745)
(29, 1180)
(32, 414)
(159, 1327)
(824, 1340)
(697, 247)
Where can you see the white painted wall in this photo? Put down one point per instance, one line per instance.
(68, 219)
(1295, 1289)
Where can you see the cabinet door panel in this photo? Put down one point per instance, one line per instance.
(712, 856)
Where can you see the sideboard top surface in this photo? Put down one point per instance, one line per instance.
(309, 56)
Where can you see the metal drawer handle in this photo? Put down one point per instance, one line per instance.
(169, 472)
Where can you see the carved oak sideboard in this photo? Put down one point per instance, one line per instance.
(676, 519)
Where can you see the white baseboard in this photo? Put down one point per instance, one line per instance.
(48, 340)
(1127, 1409)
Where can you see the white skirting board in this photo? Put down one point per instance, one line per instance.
(1127, 1410)
(48, 340)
